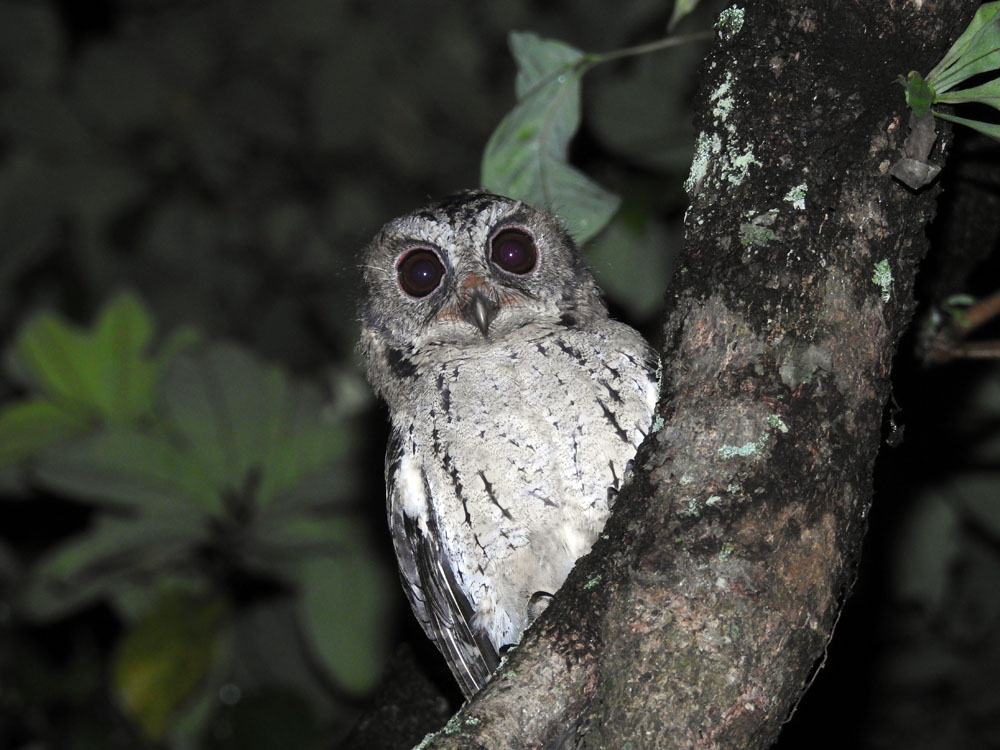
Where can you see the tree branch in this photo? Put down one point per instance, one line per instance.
(698, 619)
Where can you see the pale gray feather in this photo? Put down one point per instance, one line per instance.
(516, 406)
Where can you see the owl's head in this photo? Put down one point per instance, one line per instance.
(472, 269)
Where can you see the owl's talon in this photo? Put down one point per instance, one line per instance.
(538, 603)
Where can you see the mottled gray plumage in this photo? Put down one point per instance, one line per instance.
(516, 405)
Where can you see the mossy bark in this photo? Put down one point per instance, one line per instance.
(705, 608)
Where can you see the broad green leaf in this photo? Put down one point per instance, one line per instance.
(82, 378)
(986, 128)
(29, 426)
(94, 564)
(975, 51)
(120, 376)
(331, 484)
(145, 473)
(163, 658)
(988, 93)
(540, 61)
(45, 357)
(251, 428)
(105, 370)
(305, 449)
(632, 260)
(225, 404)
(305, 534)
(526, 156)
(344, 614)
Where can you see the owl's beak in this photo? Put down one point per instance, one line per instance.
(480, 310)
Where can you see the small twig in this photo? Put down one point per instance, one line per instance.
(948, 344)
(642, 49)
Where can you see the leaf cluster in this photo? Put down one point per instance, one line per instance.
(205, 467)
(974, 53)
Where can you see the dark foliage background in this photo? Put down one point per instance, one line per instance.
(192, 550)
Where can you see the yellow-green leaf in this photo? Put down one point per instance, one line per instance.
(105, 370)
(30, 425)
(163, 658)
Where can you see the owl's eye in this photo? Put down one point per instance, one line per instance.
(420, 272)
(514, 251)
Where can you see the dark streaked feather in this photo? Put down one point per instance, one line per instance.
(429, 582)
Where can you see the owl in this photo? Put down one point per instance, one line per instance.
(516, 406)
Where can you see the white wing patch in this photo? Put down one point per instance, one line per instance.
(412, 492)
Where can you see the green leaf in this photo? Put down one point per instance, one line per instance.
(223, 404)
(308, 534)
(92, 565)
(29, 426)
(105, 370)
(682, 8)
(988, 93)
(986, 128)
(541, 61)
(344, 614)
(976, 51)
(632, 260)
(305, 443)
(235, 441)
(250, 427)
(527, 155)
(161, 661)
(125, 466)
(82, 378)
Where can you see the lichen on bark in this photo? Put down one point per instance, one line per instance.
(727, 558)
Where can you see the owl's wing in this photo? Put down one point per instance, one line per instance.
(438, 602)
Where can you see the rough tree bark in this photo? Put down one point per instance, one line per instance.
(702, 612)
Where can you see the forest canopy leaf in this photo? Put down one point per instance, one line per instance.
(82, 378)
(344, 610)
(252, 429)
(95, 563)
(527, 155)
(164, 657)
(147, 474)
(30, 425)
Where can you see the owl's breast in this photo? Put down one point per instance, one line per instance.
(524, 445)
